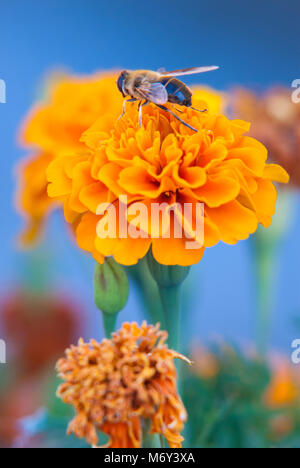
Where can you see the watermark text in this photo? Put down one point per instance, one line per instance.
(2, 352)
(296, 93)
(296, 353)
(142, 220)
(2, 92)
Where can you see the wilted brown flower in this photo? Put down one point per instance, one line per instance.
(275, 120)
(116, 384)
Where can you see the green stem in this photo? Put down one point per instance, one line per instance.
(149, 440)
(265, 282)
(266, 244)
(109, 323)
(169, 280)
(147, 288)
(170, 299)
(171, 307)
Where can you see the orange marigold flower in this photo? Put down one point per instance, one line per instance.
(116, 384)
(165, 162)
(54, 128)
(206, 364)
(284, 389)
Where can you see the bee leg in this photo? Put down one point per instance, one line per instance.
(124, 106)
(141, 105)
(140, 114)
(176, 117)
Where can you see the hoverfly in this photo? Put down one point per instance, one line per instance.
(159, 88)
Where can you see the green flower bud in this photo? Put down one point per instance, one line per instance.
(111, 287)
(166, 276)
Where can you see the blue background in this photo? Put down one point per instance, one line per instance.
(256, 43)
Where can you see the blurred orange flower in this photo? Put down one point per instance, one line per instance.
(53, 128)
(205, 363)
(37, 327)
(116, 384)
(284, 389)
(283, 394)
(165, 162)
(30, 324)
(276, 122)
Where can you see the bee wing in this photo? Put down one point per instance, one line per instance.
(154, 92)
(190, 71)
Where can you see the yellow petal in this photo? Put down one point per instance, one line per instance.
(276, 173)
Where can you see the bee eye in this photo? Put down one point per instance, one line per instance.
(120, 81)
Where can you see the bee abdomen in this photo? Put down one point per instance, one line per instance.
(178, 92)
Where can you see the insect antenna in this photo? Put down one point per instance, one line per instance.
(199, 110)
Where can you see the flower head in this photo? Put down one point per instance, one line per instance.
(206, 364)
(53, 128)
(29, 323)
(284, 389)
(166, 163)
(276, 122)
(116, 384)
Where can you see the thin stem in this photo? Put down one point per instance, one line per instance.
(149, 440)
(148, 290)
(265, 283)
(266, 245)
(109, 323)
(171, 306)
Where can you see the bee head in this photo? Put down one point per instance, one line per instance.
(121, 80)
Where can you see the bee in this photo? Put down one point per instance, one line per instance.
(159, 88)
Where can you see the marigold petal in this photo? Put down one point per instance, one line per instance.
(218, 190)
(81, 178)
(252, 153)
(123, 434)
(174, 252)
(86, 231)
(93, 195)
(59, 183)
(192, 177)
(276, 173)
(98, 132)
(32, 198)
(265, 201)
(211, 233)
(109, 175)
(137, 180)
(234, 221)
(217, 151)
(125, 251)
